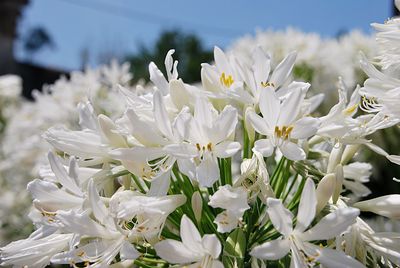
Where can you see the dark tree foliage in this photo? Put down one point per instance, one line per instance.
(36, 39)
(189, 51)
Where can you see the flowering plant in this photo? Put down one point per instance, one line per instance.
(213, 175)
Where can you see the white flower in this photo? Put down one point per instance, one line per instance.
(281, 124)
(203, 252)
(234, 201)
(104, 238)
(150, 212)
(297, 240)
(209, 138)
(255, 178)
(35, 251)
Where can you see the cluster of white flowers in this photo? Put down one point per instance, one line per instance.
(22, 148)
(148, 179)
(320, 60)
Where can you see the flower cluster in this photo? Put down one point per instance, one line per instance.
(212, 175)
(23, 150)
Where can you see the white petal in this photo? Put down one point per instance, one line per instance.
(292, 151)
(221, 61)
(261, 66)
(108, 130)
(224, 125)
(62, 175)
(128, 251)
(290, 108)
(182, 150)
(258, 123)
(216, 264)
(207, 172)
(332, 224)
(270, 106)
(160, 184)
(332, 258)
(307, 206)
(226, 149)
(226, 221)
(187, 167)
(158, 79)
(305, 128)
(190, 235)
(283, 70)
(264, 147)
(176, 252)
(212, 245)
(98, 208)
(280, 216)
(161, 115)
(272, 250)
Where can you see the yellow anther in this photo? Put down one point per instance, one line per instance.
(267, 84)
(209, 146)
(283, 132)
(198, 147)
(226, 80)
(278, 132)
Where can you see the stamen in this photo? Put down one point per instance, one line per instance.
(226, 80)
(267, 84)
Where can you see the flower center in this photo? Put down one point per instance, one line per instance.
(226, 80)
(283, 132)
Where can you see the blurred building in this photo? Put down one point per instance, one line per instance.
(33, 76)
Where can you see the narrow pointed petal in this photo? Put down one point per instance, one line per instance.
(280, 216)
(283, 70)
(161, 115)
(212, 245)
(273, 250)
(176, 252)
(307, 206)
(258, 123)
(190, 235)
(291, 108)
(270, 106)
(332, 224)
(332, 258)
(158, 79)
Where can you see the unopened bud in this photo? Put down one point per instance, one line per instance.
(197, 205)
(339, 183)
(325, 190)
(387, 205)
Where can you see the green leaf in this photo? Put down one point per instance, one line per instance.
(234, 249)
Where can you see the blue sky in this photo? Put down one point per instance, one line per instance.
(120, 26)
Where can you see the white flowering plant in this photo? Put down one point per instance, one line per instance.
(235, 172)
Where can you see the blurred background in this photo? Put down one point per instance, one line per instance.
(41, 39)
(69, 45)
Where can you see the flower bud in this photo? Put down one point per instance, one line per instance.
(325, 190)
(334, 157)
(387, 205)
(349, 153)
(197, 205)
(339, 183)
(249, 128)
